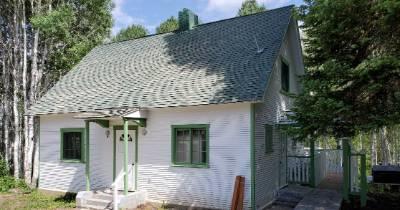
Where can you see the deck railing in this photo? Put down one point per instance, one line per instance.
(115, 186)
(326, 161)
(298, 169)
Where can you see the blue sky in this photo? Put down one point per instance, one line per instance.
(150, 13)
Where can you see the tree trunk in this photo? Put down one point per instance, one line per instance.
(27, 157)
(373, 148)
(16, 152)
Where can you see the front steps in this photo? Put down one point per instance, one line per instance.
(103, 199)
(99, 199)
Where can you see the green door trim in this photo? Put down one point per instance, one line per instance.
(283, 139)
(121, 127)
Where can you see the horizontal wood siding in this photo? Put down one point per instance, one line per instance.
(205, 187)
(61, 176)
(268, 112)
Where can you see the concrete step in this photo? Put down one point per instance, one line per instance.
(95, 207)
(103, 196)
(99, 203)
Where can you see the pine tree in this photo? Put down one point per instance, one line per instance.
(131, 32)
(171, 24)
(352, 80)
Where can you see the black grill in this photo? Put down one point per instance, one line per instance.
(386, 174)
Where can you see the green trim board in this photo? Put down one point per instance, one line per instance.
(102, 123)
(136, 159)
(252, 157)
(82, 144)
(114, 152)
(189, 127)
(37, 121)
(346, 169)
(312, 163)
(87, 154)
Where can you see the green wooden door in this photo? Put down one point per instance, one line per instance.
(283, 159)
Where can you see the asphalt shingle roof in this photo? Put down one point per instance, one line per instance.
(211, 64)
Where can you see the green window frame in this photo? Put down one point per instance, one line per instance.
(269, 138)
(192, 132)
(285, 75)
(70, 146)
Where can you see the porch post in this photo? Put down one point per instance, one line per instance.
(346, 168)
(125, 156)
(87, 155)
(363, 181)
(312, 164)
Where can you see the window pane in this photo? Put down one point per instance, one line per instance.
(72, 145)
(198, 145)
(183, 146)
(285, 76)
(268, 138)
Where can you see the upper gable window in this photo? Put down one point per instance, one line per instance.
(285, 76)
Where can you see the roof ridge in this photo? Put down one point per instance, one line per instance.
(254, 14)
(203, 24)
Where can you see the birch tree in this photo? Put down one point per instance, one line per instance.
(40, 41)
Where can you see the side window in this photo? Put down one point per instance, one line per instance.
(269, 138)
(72, 144)
(190, 145)
(285, 80)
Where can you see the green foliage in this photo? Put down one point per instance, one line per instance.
(70, 30)
(8, 182)
(38, 200)
(4, 170)
(56, 23)
(131, 32)
(250, 7)
(352, 60)
(171, 24)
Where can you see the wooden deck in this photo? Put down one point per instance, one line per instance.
(332, 182)
(327, 195)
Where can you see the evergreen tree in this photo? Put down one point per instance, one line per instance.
(352, 80)
(131, 32)
(171, 24)
(250, 7)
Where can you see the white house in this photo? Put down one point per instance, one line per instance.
(201, 106)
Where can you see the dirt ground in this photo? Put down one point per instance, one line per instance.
(376, 201)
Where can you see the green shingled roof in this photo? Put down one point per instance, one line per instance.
(213, 63)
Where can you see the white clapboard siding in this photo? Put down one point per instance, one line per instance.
(267, 165)
(204, 187)
(60, 176)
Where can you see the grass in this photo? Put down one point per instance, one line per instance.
(35, 200)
